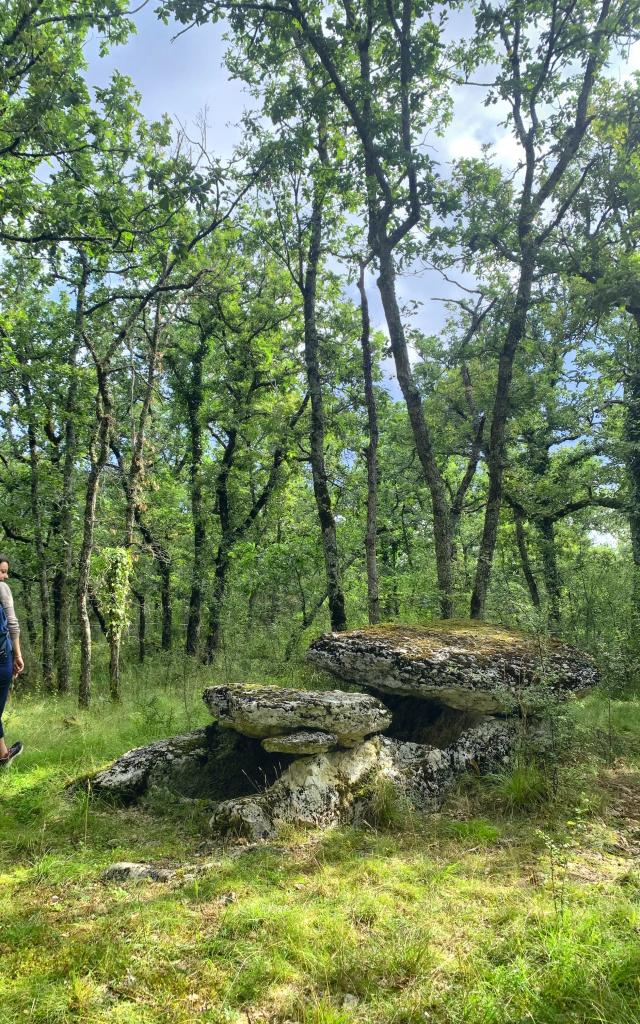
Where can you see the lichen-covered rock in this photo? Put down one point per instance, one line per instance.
(126, 870)
(264, 711)
(300, 743)
(314, 790)
(209, 763)
(331, 788)
(467, 665)
(129, 776)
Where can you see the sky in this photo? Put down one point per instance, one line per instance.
(185, 76)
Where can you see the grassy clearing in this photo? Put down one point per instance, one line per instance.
(519, 902)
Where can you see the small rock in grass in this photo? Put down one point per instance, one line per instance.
(128, 870)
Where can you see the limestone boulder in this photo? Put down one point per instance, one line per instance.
(207, 764)
(467, 665)
(338, 787)
(267, 711)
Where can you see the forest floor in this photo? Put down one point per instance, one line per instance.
(519, 902)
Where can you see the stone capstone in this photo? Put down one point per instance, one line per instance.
(267, 711)
(303, 742)
(467, 665)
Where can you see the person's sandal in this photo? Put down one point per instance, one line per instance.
(14, 751)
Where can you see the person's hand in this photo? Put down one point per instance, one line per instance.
(18, 665)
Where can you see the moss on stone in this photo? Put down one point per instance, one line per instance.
(485, 640)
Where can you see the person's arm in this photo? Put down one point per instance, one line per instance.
(14, 627)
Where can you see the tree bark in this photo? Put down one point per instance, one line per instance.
(551, 573)
(373, 597)
(63, 650)
(167, 610)
(195, 398)
(41, 555)
(214, 629)
(632, 449)
(496, 456)
(337, 610)
(98, 461)
(421, 433)
(28, 607)
(523, 551)
(142, 625)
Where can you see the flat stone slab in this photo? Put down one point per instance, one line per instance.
(301, 743)
(467, 665)
(264, 711)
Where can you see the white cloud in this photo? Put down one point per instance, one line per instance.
(508, 151)
(602, 539)
(463, 147)
(633, 64)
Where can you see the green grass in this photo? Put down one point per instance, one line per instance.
(519, 902)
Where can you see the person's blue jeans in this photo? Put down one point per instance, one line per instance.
(6, 675)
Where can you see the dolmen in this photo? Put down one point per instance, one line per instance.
(454, 695)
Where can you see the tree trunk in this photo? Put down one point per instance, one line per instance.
(63, 651)
(632, 460)
(142, 625)
(41, 557)
(337, 611)
(28, 607)
(373, 598)
(217, 600)
(196, 596)
(98, 461)
(167, 611)
(496, 456)
(63, 660)
(421, 433)
(551, 574)
(115, 688)
(527, 571)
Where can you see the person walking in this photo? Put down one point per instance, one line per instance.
(11, 662)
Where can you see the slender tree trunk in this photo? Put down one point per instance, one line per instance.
(393, 603)
(632, 451)
(551, 573)
(63, 651)
(167, 610)
(56, 588)
(337, 610)
(142, 625)
(41, 556)
(94, 604)
(28, 607)
(373, 598)
(498, 443)
(214, 629)
(421, 433)
(525, 562)
(98, 461)
(196, 597)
